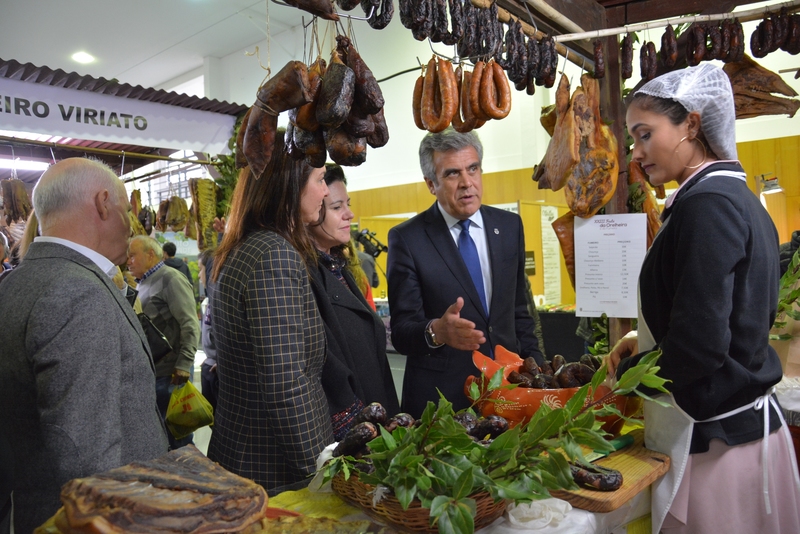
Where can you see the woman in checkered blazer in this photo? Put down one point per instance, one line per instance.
(272, 418)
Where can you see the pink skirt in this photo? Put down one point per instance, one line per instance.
(722, 491)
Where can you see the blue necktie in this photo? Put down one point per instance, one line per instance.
(468, 250)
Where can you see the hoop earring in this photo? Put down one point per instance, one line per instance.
(705, 155)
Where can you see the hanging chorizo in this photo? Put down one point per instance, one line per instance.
(779, 32)
(549, 78)
(461, 122)
(466, 106)
(714, 50)
(738, 40)
(495, 95)
(644, 61)
(695, 45)
(416, 103)
(475, 91)
(521, 74)
(765, 36)
(456, 23)
(726, 29)
(669, 47)
(439, 30)
(406, 13)
(793, 46)
(599, 60)
(441, 80)
(534, 57)
(626, 53)
(653, 60)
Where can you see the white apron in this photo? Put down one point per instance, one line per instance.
(669, 431)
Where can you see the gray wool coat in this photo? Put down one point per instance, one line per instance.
(77, 382)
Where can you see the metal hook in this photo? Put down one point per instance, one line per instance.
(52, 155)
(122, 167)
(533, 22)
(430, 44)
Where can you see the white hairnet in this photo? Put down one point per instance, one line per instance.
(705, 89)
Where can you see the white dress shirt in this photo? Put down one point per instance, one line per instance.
(101, 261)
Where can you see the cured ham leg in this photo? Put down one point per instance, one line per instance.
(562, 152)
(593, 180)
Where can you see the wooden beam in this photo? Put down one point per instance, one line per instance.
(612, 111)
(587, 14)
(647, 10)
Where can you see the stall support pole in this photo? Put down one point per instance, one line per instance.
(612, 109)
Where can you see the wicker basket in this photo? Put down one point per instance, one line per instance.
(416, 518)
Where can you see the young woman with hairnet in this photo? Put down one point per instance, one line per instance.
(708, 291)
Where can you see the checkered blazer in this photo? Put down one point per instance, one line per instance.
(272, 418)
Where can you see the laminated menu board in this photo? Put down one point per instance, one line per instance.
(609, 251)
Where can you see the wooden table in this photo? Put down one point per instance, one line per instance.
(639, 466)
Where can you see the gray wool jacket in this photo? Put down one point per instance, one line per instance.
(77, 382)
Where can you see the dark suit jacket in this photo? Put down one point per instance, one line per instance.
(356, 366)
(426, 275)
(272, 418)
(77, 383)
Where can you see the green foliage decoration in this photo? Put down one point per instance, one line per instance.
(227, 172)
(438, 463)
(787, 298)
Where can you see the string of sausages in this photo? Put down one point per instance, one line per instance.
(467, 99)
(705, 41)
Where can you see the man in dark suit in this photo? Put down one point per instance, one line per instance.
(453, 291)
(77, 383)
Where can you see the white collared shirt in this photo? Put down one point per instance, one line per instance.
(105, 265)
(479, 237)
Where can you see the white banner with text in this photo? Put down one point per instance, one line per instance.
(56, 111)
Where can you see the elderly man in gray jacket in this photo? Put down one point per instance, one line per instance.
(77, 382)
(168, 299)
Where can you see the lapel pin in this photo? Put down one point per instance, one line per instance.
(496, 231)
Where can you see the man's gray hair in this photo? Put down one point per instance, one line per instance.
(445, 141)
(149, 244)
(69, 189)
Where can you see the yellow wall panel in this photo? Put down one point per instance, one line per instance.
(777, 158)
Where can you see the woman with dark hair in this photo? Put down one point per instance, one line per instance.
(708, 290)
(272, 418)
(356, 371)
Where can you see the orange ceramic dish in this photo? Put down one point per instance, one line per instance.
(518, 405)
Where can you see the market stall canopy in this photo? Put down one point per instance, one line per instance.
(68, 114)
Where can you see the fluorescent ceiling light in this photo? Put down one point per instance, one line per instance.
(82, 57)
(22, 165)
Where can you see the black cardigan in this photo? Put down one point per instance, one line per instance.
(356, 367)
(709, 291)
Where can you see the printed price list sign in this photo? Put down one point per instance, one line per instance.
(609, 251)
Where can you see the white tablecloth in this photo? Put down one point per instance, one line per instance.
(575, 521)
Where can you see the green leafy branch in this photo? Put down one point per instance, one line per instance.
(437, 462)
(787, 298)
